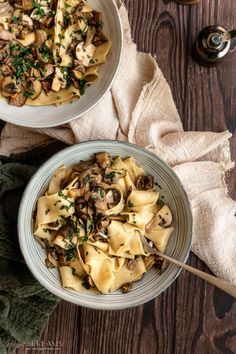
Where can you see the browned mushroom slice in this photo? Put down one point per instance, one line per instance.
(78, 74)
(103, 159)
(6, 35)
(25, 20)
(4, 7)
(145, 182)
(35, 88)
(46, 85)
(9, 87)
(89, 36)
(101, 205)
(48, 70)
(112, 197)
(56, 84)
(5, 70)
(83, 166)
(97, 16)
(99, 39)
(40, 37)
(18, 100)
(27, 4)
(17, 13)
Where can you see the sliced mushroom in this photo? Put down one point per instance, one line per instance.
(35, 87)
(35, 72)
(27, 4)
(41, 57)
(17, 13)
(145, 182)
(56, 84)
(89, 36)
(9, 87)
(78, 74)
(26, 21)
(4, 6)
(84, 54)
(48, 70)
(28, 40)
(46, 85)
(97, 16)
(5, 70)
(6, 35)
(18, 100)
(112, 197)
(103, 159)
(40, 37)
(101, 205)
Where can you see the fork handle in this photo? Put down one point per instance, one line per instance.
(219, 283)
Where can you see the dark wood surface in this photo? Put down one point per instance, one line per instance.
(191, 317)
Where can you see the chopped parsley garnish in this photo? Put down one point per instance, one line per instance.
(91, 61)
(133, 219)
(60, 193)
(45, 52)
(65, 207)
(45, 230)
(86, 284)
(15, 19)
(130, 204)
(61, 36)
(160, 203)
(70, 254)
(47, 211)
(28, 94)
(83, 85)
(4, 55)
(40, 11)
(84, 239)
(110, 176)
(73, 270)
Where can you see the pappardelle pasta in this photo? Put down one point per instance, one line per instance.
(90, 220)
(50, 50)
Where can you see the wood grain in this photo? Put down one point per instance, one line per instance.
(191, 316)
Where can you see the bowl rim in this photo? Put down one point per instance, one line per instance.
(59, 293)
(85, 111)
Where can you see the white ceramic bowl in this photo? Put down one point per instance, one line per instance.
(152, 284)
(49, 116)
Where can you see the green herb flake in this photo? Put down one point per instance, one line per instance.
(47, 211)
(70, 254)
(15, 19)
(60, 193)
(86, 284)
(65, 207)
(83, 85)
(91, 61)
(133, 219)
(73, 270)
(84, 239)
(130, 204)
(160, 203)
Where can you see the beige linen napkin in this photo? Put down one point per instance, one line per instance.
(139, 108)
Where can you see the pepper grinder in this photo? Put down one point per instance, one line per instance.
(212, 44)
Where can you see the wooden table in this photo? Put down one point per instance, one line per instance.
(191, 317)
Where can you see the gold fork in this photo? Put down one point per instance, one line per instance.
(219, 283)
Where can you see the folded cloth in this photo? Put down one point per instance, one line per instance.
(24, 304)
(139, 108)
